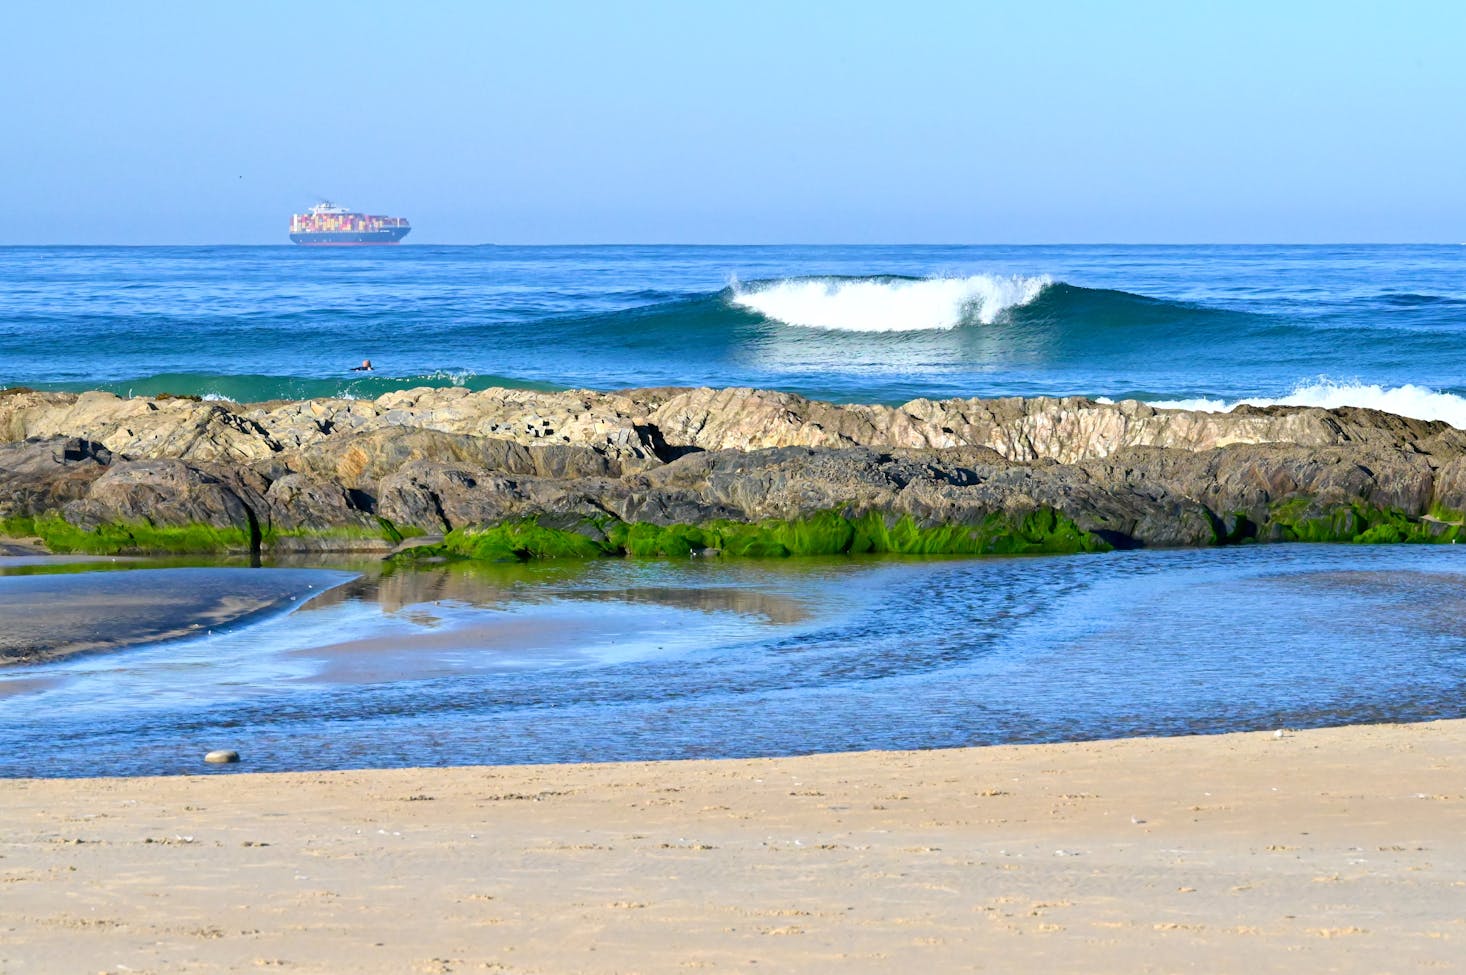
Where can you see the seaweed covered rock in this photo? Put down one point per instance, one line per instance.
(677, 470)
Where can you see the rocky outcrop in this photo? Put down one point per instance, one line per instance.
(44, 474)
(640, 429)
(353, 474)
(165, 493)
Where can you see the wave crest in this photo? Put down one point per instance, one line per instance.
(889, 304)
(1409, 400)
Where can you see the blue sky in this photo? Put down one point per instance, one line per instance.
(753, 122)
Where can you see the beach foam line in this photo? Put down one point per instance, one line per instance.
(889, 304)
(1409, 400)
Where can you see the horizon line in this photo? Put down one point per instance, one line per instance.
(419, 244)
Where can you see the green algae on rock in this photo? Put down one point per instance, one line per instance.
(1305, 520)
(144, 538)
(665, 472)
(823, 533)
(118, 538)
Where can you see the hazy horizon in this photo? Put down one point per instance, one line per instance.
(655, 123)
(611, 244)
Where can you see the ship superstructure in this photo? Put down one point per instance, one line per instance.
(327, 223)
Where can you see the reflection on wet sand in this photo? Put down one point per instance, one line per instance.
(463, 618)
(436, 646)
(26, 685)
(772, 607)
(490, 586)
(27, 565)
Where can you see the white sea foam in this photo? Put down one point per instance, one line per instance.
(457, 377)
(1408, 400)
(870, 305)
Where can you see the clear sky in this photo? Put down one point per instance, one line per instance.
(750, 122)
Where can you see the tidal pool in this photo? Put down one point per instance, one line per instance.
(633, 659)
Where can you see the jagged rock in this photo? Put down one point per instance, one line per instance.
(37, 476)
(441, 497)
(160, 493)
(322, 473)
(359, 460)
(604, 422)
(1067, 430)
(1449, 487)
(140, 428)
(297, 503)
(638, 429)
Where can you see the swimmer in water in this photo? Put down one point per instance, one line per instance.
(366, 366)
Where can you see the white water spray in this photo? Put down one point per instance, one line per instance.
(884, 305)
(1408, 400)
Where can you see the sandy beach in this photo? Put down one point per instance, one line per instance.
(1331, 850)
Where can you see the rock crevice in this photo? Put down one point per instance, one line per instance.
(357, 474)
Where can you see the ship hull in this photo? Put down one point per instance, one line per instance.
(388, 235)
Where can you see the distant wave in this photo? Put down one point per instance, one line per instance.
(1406, 299)
(888, 304)
(1408, 400)
(257, 388)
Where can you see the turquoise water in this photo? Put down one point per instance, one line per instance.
(644, 660)
(1366, 325)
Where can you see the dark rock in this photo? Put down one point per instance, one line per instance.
(37, 476)
(160, 493)
(297, 503)
(440, 497)
(321, 474)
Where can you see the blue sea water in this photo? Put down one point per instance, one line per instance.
(673, 659)
(653, 659)
(1202, 325)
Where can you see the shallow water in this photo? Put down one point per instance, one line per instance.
(628, 659)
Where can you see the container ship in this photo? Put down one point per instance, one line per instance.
(329, 224)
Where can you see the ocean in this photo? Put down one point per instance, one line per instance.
(637, 659)
(1201, 326)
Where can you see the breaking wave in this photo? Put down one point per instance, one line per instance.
(1408, 400)
(888, 304)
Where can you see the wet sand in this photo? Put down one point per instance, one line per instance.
(415, 656)
(22, 549)
(1331, 850)
(48, 617)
